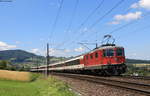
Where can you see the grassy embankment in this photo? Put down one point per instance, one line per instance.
(26, 84)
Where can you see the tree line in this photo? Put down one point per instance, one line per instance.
(7, 65)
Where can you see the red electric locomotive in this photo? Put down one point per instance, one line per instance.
(107, 59)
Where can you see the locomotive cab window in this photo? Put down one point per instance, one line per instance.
(108, 52)
(120, 52)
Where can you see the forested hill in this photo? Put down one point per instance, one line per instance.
(16, 55)
(136, 61)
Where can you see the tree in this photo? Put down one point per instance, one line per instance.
(3, 64)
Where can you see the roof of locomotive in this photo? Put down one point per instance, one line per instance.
(109, 46)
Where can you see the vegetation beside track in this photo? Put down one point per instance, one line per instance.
(37, 85)
(138, 69)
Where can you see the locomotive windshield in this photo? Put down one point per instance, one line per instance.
(120, 52)
(109, 52)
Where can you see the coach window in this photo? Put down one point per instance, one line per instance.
(67, 63)
(91, 56)
(96, 55)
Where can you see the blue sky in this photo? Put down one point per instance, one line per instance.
(29, 25)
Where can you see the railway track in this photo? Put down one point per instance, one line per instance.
(130, 86)
(136, 77)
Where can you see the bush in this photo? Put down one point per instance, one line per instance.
(3, 64)
(34, 76)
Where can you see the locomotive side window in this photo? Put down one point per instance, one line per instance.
(108, 52)
(120, 52)
(104, 53)
(96, 55)
(91, 56)
(87, 57)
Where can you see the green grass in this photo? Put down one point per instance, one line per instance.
(16, 88)
(40, 87)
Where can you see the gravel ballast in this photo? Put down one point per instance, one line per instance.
(85, 88)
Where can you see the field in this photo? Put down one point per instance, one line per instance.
(14, 75)
(39, 87)
(141, 65)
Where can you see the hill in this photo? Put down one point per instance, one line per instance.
(16, 55)
(19, 56)
(23, 59)
(132, 61)
(20, 59)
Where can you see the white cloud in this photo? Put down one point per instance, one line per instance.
(127, 17)
(38, 51)
(80, 49)
(59, 52)
(135, 5)
(52, 52)
(145, 4)
(137, 56)
(5, 46)
(67, 50)
(35, 50)
(142, 4)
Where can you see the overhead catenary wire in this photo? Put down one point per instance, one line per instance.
(89, 16)
(73, 15)
(108, 12)
(71, 22)
(130, 23)
(137, 30)
(99, 19)
(53, 28)
(90, 35)
(56, 19)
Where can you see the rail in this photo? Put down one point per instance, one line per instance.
(138, 87)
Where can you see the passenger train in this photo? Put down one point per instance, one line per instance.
(107, 59)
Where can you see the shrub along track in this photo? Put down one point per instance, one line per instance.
(130, 86)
